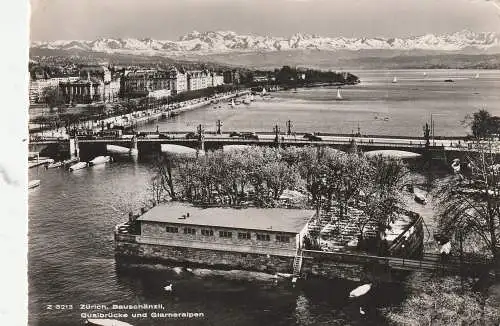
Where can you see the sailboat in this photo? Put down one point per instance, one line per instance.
(263, 91)
(232, 103)
(477, 76)
(252, 98)
(394, 80)
(339, 94)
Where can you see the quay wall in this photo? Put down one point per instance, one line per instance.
(130, 252)
(131, 249)
(332, 265)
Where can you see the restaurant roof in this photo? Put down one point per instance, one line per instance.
(268, 219)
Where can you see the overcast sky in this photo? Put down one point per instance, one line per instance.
(170, 19)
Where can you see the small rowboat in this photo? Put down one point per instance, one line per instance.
(360, 290)
(55, 165)
(99, 160)
(78, 166)
(33, 184)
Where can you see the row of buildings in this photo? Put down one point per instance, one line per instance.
(97, 84)
(161, 83)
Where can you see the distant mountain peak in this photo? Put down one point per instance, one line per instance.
(213, 42)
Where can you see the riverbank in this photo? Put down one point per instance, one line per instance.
(446, 300)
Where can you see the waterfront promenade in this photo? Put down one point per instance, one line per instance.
(137, 118)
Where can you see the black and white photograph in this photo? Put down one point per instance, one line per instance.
(263, 162)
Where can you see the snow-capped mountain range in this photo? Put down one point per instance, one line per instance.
(227, 41)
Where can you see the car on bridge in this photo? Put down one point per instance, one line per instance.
(234, 134)
(249, 135)
(163, 135)
(191, 135)
(244, 135)
(312, 137)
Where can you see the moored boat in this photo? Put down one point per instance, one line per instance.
(71, 161)
(54, 165)
(33, 184)
(78, 166)
(394, 80)
(99, 160)
(420, 198)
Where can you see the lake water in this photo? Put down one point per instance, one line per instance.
(72, 215)
(71, 221)
(407, 104)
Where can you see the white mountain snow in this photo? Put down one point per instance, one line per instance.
(227, 41)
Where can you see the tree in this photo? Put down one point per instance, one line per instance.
(482, 124)
(53, 98)
(382, 198)
(470, 201)
(442, 302)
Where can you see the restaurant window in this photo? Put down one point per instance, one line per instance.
(225, 234)
(208, 233)
(263, 237)
(171, 229)
(244, 235)
(189, 231)
(282, 238)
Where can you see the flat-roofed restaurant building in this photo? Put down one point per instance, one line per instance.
(247, 238)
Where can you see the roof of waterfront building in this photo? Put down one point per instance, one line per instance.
(252, 218)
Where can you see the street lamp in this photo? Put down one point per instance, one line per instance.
(432, 127)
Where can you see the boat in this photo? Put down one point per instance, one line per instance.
(360, 290)
(246, 100)
(33, 184)
(71, 161)
(477, 76)
(54, 165)
(339, 94)
(99, 160)
(449, 81)
(106, 322)
(252, 98)
(284, 275)
(425, 74)
(263, 91)
(394, 80)
(232, 103)
(78, 166)
(420, 198)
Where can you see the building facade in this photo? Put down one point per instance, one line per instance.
(217, 80)
(249, 238)
(95, 84)
(231, 77)
(178, 81)
(142, 82)
(198, 79)
(37, 87)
